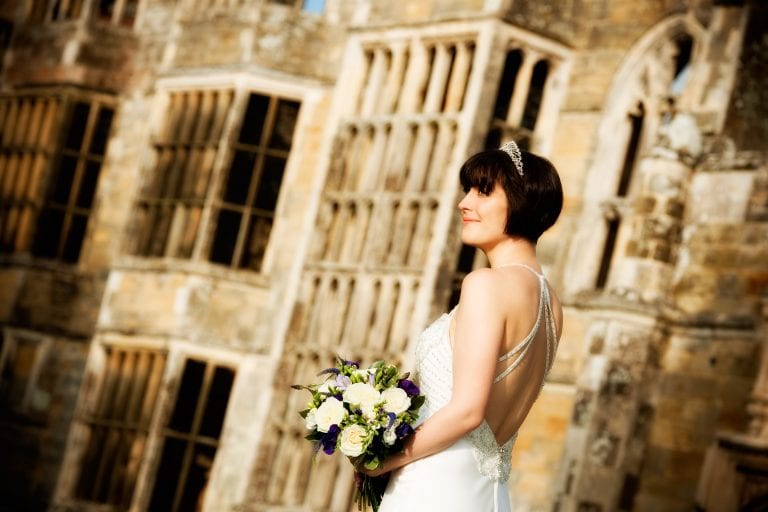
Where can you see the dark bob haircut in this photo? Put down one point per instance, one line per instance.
(535, 199)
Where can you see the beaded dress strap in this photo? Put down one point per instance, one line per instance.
(521, 348)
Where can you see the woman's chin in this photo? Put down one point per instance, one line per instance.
(468, 240)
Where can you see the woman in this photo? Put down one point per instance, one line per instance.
(482, 365)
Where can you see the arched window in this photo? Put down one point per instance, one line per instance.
(608, 250)
(684, 46)
(635, 120)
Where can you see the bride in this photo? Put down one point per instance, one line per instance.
(482, 365)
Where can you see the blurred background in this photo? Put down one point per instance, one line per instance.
(203, 201)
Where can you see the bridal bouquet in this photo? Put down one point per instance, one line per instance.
(366, 413)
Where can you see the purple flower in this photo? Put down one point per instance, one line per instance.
(342, 381)
(403, 430)
(329, 439)
(334, 371)
(345, 362)
(409, 387)
(392, 418)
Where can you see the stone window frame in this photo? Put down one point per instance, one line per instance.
(35, 186)
(241, 86)
(535, 50)
(118, 13)
(635, 83)
(145, 464)
(200, 446)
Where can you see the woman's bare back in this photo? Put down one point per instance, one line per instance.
(511, 398)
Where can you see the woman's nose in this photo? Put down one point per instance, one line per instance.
(464, 203)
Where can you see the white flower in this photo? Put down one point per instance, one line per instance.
(363, 374)
(389, 437)
(325, 387)
(310, 420)
(354, 440)
(369, 411)
(395, 400)
(362, 394)
(330, 412)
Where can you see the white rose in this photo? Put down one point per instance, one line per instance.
(310, 420)
(395, 400)
(330, 412)
(389, 437)
(362, 394)
(354, 440)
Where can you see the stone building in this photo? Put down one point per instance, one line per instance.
(202, 201)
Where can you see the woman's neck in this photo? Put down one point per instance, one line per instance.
(512, 250)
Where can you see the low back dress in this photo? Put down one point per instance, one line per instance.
(471, 475)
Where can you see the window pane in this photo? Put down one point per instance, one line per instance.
(101, 132)
(218, 398)
(88, 184)
(186, 399)
(314, 6)
(128, 16)
(17, 374)
(269, 188)
(168, 475)
(535, 94)
(507, 85)
(239, 179)
(48, 233)
(227, 228)
(285, 122)
(256, 243)
(253, 121)
(106, 7)
(75, 238)
(199, 471)
(77, 126)
(86, 486)
(64, 179)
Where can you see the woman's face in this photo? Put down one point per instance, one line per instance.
(484, 217)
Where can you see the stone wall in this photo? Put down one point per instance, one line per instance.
(661, 339)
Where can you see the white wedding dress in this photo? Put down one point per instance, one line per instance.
(472, 474)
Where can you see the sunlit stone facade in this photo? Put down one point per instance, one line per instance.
(203, 201)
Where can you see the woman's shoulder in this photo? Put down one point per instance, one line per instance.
(509, 284)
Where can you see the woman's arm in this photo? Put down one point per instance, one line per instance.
(479, 332)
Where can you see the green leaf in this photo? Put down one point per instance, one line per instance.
(314, 436)
(417, 402)
(372, 464)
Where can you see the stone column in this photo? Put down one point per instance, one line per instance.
(658, 203)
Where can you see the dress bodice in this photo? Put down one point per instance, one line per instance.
(434, 366)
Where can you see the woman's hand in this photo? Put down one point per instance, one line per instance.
(357, 463)
(372, 472)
